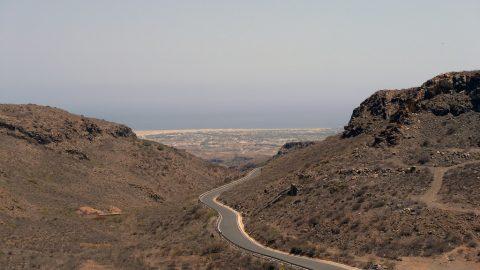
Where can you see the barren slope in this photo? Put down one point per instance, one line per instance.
(77, 192)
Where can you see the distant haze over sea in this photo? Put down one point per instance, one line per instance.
(227, 64)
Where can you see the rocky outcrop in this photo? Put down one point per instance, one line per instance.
(293, 191)
(386, 111)
(291, 146)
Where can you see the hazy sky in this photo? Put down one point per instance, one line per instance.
(192, 64)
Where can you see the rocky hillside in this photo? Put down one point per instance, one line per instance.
(395, 190)
(82, 193)
(386, 112)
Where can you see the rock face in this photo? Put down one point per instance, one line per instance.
(452, 93)
(290, 146)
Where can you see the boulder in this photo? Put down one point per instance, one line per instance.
(293, 191)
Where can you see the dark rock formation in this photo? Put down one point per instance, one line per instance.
(293, 191)
(452, 93)
(390, 136)
(290, 146)
(77, 153)
(123, 131)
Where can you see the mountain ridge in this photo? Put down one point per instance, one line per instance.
(453, 92)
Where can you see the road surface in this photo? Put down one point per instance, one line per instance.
(230, 226)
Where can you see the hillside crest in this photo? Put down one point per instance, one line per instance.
(46, 125)
(452, 93)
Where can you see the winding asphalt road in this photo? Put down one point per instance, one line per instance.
(231, 227)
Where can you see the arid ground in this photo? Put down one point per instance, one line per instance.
(397, 189)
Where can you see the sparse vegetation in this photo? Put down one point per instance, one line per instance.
(304, 249)
(215, 247)
(424, 158)
(355, 193)
(364, 200)
(58, 162)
